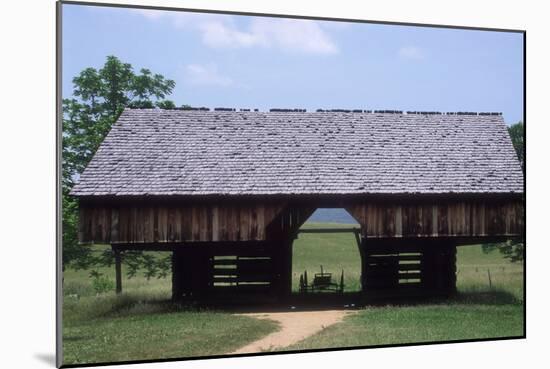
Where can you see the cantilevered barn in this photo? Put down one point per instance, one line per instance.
(226, 191)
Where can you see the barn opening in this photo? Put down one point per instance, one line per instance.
(327, 240)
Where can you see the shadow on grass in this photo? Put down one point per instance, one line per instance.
(128, 305)
(69, 338)
(119, 306)
(134, 305)
(492, 297)
(353, 301)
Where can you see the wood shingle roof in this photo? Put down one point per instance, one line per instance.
(181, 152)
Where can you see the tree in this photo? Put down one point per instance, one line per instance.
(99, 96)
(513, 250)
(516, 134)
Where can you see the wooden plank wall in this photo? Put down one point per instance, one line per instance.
(286, 224)
(421, 269)
(458, 218)
(277, 221)
(148, 224)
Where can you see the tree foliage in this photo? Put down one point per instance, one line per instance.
(518, 140)
(513, 250)
(99, 96)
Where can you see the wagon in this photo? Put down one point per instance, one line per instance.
(322, 282)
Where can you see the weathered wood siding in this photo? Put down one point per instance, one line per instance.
(458, 218)
(151, 224)
(286, 224)
(183, 222)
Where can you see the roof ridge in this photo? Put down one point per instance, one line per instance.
(294, 110)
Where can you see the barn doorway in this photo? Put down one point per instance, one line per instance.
(327, 240)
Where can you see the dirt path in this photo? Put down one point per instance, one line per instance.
(295, 326)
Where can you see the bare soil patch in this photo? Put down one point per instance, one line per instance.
(295, 326)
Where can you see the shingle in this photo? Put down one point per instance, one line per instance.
(186, 152)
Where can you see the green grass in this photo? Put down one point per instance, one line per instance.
(78, 282)
(334, 251)
(413, 324)
(474, 268)
(143, 324)
(480, 309)
(156, 330)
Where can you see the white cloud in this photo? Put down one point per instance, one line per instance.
(179, 20)
(220, 31)
(205, 75)
(151, 14)
(221, 35)
(411, 52)
(294, 35)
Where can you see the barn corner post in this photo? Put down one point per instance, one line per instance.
(177, 276)
(191, 272)
(447, 272)
(118, 269)
(438, 272)
(280, 249)
(286, 268)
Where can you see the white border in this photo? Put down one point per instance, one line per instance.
(28, 181)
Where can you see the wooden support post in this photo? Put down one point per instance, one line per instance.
(177, 279)
(189, 273)
(429, 267)
(451, 271)
(198, 271)
(358, 238)
(282, 272)
(287, 269)
(363, 255)
(118, 271)
(439, 268)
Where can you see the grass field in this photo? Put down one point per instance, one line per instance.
(149, 330)
(481, 309)
(423, 323)
(334, 251)
(143, 324)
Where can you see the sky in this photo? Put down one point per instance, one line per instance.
(262, 62)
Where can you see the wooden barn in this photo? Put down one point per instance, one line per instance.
(226, 191)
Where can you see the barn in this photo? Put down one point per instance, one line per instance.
(226, 191)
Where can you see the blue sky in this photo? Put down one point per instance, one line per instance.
(260, 62)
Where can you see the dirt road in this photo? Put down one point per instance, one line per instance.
(295, 326)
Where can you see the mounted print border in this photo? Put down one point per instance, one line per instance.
(226, 192)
